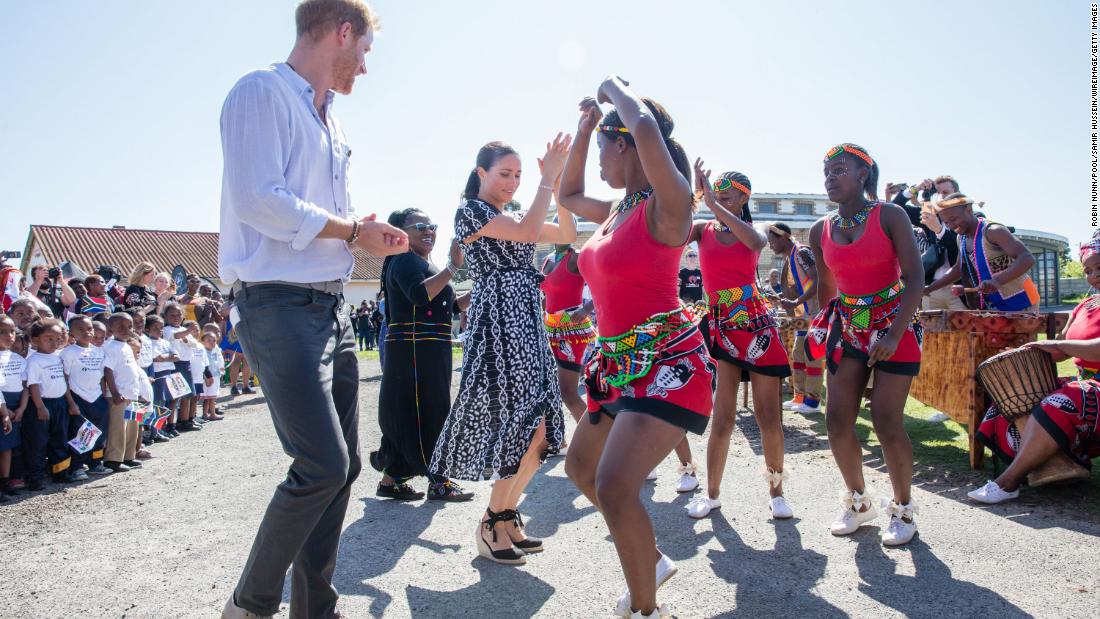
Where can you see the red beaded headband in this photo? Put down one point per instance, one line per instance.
(723, 184)
(838, 150)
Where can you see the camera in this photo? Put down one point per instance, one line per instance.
(54, 273)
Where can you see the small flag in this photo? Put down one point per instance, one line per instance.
(85, 437)
(178, 386)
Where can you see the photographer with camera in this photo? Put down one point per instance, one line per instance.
(48, 286)
(940, 251)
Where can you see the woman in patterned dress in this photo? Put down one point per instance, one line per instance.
(508, 407)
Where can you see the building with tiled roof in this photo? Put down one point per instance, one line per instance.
(123, 248)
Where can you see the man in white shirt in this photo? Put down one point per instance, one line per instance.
(287, 230)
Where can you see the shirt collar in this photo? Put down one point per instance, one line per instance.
(300, 85)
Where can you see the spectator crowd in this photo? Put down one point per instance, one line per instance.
(95, 371)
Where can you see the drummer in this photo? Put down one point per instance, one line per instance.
(799, 297)
(991, 259)
(1065, 420)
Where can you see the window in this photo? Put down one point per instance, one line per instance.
(1045, 275)
(803, 208)
(767, 208)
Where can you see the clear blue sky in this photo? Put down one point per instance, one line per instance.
(110, 110)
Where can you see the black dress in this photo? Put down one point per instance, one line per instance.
(415, 396)
(509, 376)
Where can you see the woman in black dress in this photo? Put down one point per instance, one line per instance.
(415, 396)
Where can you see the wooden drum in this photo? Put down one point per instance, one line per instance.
(1017, 381)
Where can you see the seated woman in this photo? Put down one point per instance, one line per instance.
(1065, 420)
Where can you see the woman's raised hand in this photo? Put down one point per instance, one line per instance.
(702, 180)
(590, 116)
(457, 256)
(553, 162)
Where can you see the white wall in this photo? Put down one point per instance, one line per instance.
(360, 290)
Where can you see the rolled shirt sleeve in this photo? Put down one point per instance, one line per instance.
(255, 142)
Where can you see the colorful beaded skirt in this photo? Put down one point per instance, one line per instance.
(740, 329)
(852, 324)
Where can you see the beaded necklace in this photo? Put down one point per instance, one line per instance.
(632, 200)
(858, 219)
(721, 227)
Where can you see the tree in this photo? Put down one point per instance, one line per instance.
(1070, 268)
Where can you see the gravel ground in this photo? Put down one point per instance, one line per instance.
(169, 540)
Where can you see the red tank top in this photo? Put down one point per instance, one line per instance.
(563, 288)
(630, 274)
(1085, 325)
(725, 266)
(866, 266)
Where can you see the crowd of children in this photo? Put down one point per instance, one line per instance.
(87, 391)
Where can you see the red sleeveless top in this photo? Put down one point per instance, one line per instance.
(630, 274)
(866, 266)
(725, 266)
(563, 288)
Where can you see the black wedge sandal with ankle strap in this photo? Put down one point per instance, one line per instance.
(529, 545)
(508, 556)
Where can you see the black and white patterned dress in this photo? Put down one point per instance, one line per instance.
(509, 377)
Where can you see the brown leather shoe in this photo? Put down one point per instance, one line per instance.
(232, 611)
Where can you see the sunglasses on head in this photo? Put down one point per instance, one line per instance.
(420, 227)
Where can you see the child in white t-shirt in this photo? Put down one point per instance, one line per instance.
(83, 365)
(164, 364)
(198, 375)
(215, 364)
(123, 378)
(45, 437)
(13, 384)
(182, 336)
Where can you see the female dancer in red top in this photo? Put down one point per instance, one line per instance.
(864, 252)
(740, 333)
(568, 325)
(651, 379)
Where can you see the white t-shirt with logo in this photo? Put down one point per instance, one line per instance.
(181, 346)
(120, 360)
(198, 363)
(48, 373)
(145, 358)
(162, 348)
(13, 372)
(84, 367)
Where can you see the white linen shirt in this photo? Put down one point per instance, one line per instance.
(284, 174)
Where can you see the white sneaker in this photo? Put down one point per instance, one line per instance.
(666, 569)
(658, 613)
(806, 409)
(852, 519)
(791, 404)
(899, 531)
(652, 474)
(701, 506)
(991, 494)
(688, 479)
(781, 509)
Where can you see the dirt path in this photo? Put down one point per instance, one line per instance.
(169, 540)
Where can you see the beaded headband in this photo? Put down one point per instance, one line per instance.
(724, 184)
(777, 231)
(1091, 247)
(836, 151)
(612, 129)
